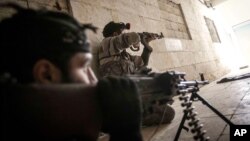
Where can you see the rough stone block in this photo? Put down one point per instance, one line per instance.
(109, 4)
(180, 20)
(86, 13)
(173, 45)
(161, 61)
(152, 25)
(152, 12)
(164, 15)
(134, 20)
(167, 24)
(127, 6)
(173, 17)
(162, 6)
(174, 26)
(151, 2)
(175, 58)
(140, 8)
(177, 11)
(170, 9)
(92, 2)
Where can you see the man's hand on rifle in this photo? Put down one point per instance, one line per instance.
(121, 108)
(147, 37)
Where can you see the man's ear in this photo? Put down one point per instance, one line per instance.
(45, 72)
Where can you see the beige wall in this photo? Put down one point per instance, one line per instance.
(199, 55)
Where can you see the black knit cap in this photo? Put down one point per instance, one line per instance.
(29, 35)
(112, 27)
(48, 26)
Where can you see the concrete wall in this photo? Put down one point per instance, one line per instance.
(195, 54)
(198, 55)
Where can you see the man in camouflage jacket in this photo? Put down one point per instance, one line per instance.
(113, 57)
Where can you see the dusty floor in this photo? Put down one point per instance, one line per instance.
(232, 99)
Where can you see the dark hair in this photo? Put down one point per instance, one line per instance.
(30, 35)
(112, 27)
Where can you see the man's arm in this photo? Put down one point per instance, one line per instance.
(118, 43)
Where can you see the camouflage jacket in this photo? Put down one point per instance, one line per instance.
(113, 57)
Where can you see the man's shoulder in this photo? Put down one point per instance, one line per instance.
(107, 39)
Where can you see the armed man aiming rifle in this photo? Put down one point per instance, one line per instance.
(114, 60)
(113, 57)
